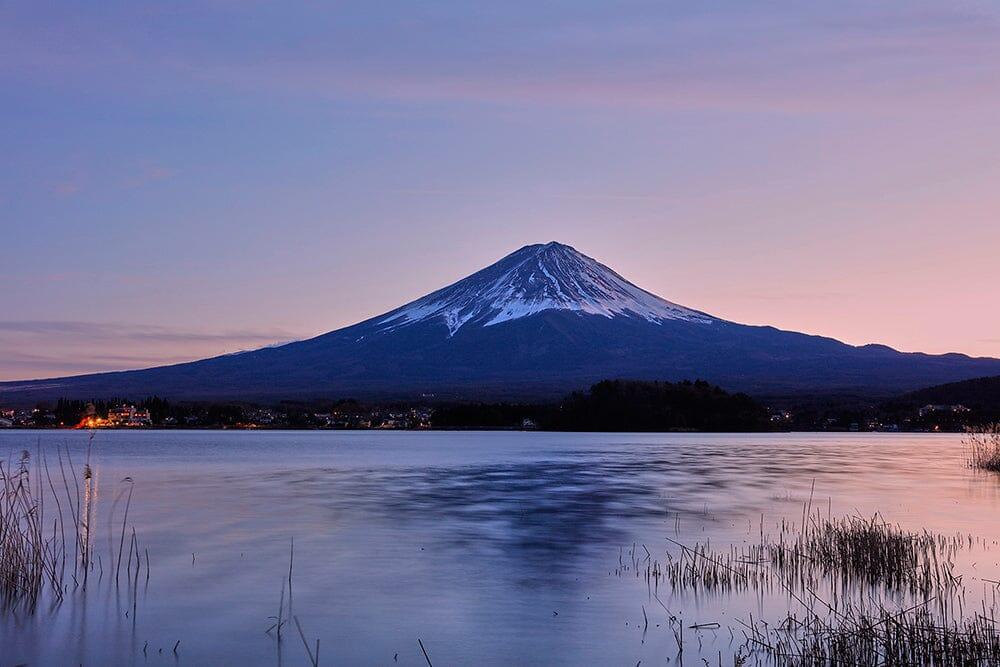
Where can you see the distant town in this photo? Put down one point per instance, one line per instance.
(609, 406)
(154, 413)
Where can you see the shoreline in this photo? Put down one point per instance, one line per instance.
(484, 429)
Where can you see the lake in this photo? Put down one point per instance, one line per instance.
(491, 548)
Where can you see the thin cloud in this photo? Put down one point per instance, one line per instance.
(67, 187)
(54, 348)
(95, 330)
(800, 60)
(792, 296)
(93, 363)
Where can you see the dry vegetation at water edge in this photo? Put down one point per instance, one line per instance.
(47, 533)
(861, 591)
(983, 445)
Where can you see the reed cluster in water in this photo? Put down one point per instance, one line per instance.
(858, 550)
(47, 531)
(862, 592)
(862, 633)
(29, 557)
(843, 551)
(983, 446)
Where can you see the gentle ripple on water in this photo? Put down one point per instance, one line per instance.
(493, 548)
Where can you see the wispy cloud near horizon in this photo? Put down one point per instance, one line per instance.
(135, 331)
(51, 348)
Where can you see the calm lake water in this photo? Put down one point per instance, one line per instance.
(491, 548)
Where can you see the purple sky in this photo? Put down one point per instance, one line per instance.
(184, 179)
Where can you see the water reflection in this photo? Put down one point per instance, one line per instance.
(492, 548)
(545, 511)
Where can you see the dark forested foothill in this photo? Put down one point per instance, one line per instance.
(620, 405)
(979, 395)
(624, 405)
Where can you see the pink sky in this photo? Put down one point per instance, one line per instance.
(186, 180)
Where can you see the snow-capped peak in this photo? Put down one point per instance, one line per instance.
(540, 277)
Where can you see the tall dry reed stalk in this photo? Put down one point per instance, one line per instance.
(29, 557)
(47, 530)
(983, 447)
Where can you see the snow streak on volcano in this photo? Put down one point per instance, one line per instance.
(533, 279)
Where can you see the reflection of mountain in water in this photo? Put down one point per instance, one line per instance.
(540, 513)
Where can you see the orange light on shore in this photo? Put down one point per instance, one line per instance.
(93, 422)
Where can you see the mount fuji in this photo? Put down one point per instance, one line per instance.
(543, 320)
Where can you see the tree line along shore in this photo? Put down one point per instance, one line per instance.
(610, 405)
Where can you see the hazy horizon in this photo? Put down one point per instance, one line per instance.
(185, 180)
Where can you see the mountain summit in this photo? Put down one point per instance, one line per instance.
(534, 279)
(541, 321)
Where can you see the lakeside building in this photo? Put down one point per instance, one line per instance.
(954, 409)
(129, 415)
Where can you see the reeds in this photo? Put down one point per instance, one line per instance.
(29, 557)
(861, 591)
(869, 551)
(862, 634)
(846, 552)
(983, 447)
(700, 568)
(284, 614)
(47, 532)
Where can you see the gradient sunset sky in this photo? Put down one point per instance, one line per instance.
(182, 179)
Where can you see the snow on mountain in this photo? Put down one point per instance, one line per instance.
(543, 321)
(533, 279)
(280, 343)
